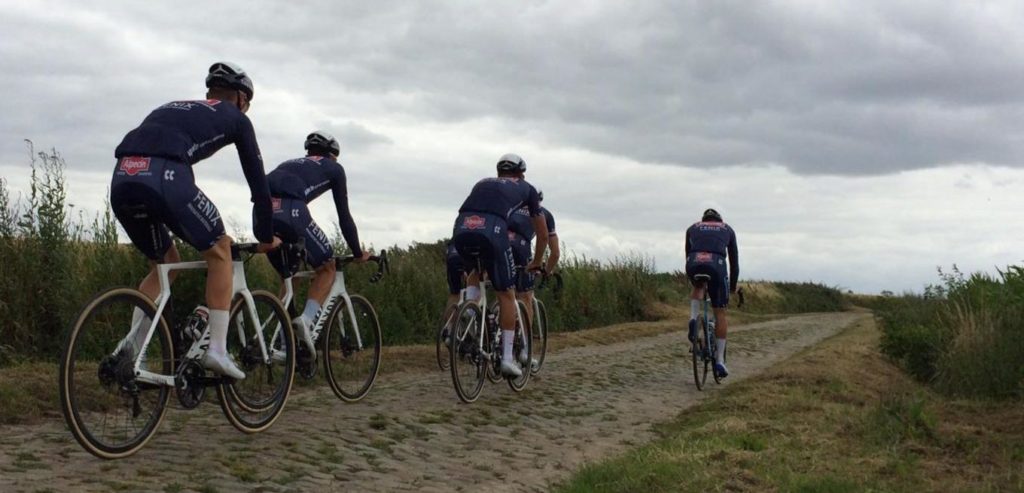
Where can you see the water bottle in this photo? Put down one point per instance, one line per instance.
(196, 323)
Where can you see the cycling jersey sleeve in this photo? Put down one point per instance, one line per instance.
(734, 260)
(345, 221)
(551, 223)
(533, 202)
(686, 241)
(252, 167)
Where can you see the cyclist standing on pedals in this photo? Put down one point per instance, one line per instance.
(708, 243)
(481, 230)
(153, 190)
(293, 185)
(520, 235)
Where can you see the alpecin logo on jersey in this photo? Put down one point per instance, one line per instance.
(474, 222)
(134, 165)
(704, 257)
(275, 203)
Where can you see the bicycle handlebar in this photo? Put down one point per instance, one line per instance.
(383, 264)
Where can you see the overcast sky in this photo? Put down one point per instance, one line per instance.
(860, 144)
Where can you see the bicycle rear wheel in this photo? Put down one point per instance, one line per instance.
(109, 412)
(523, 342)
(539, 331)
(447, 322)
(699, 353)
(351, 362)
(254, 403)
(468, 363)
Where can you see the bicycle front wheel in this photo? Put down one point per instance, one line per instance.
(447, 322)
(539, 331)
(468, 362)
(351, 349)
(700, 351)
(108, 410)
(255, 402)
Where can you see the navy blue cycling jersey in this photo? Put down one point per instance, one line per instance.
(307, 178)
(717, 238)
(522, 223)
(190, 131)
(501, 197)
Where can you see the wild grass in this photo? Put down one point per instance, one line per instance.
(965, 337)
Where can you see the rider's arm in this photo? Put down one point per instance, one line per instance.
(252, 167)
(345, 221)
(734, 261)
(686, 242)
(540, 226)
(553, 244)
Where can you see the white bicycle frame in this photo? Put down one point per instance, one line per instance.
(338, 290)
(238, 286)
(482, 302)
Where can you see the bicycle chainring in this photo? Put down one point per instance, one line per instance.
(189, 384)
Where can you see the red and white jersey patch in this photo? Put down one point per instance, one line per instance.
(133, 165)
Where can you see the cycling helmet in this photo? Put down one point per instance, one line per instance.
(227, 74)
(511, 163)
(322, 140)
(711, 215)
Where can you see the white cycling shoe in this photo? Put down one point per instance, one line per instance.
(302, 334)
(511, 369)
(524, 359)
(222, 364)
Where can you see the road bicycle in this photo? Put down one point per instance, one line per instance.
(475, 347)
(113, 401)
(350, 348)
(704, 349)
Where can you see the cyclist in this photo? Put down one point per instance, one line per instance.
(153, 190)
(520, 236)
(293, 185)
(481, 230)
(708, 244)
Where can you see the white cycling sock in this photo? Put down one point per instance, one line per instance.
(507, 337)
(694, 308)
(218, 331)
(139, 328)
(720, 346)
(309, 313)
(472, 293)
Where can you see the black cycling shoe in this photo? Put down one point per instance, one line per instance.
(692, 335)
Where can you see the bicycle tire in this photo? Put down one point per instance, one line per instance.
(698, 352)
(94, 335)
(493, 342)
(443, 356)
(253, 404)
(522, 337)
(466, 355)
(346, 358)
(539, 331)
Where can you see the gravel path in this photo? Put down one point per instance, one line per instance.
(411, 433)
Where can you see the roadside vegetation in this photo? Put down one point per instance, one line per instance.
(964, 337)
(839, 417)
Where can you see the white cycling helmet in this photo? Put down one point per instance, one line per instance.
(511, 162)
(227, 74)
(322, 140)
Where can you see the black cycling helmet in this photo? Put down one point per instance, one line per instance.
(322, 141)
(511, 163)
(227, 74)
(711, 215)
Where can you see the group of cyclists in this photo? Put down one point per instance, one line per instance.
(153, 193)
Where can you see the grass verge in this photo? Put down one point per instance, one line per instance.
(837, 417)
